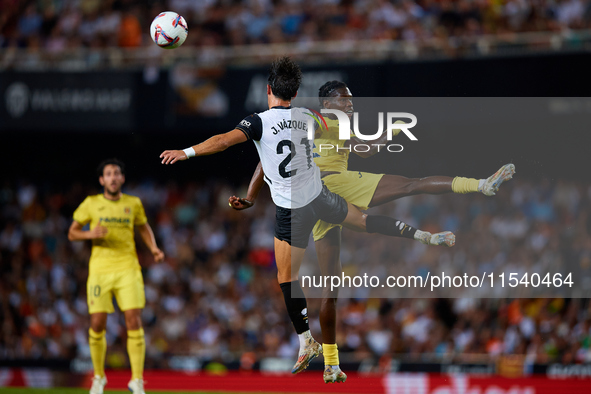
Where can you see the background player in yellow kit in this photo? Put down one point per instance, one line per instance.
(114, 268)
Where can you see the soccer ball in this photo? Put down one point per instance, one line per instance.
(169, 30)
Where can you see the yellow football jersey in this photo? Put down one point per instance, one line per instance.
(116, 251)
(330, 158)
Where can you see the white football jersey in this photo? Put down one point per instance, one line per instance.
(280, 135)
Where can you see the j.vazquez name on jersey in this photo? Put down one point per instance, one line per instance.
(289, 124)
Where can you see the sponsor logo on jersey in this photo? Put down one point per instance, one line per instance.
(115, 221)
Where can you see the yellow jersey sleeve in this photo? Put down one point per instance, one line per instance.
(140, 215)
(82, 214)
(330, 153)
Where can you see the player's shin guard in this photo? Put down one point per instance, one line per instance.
(98, 350)
(389, 226)
(331, 354)
(136, 349)
(463, 185)
(297, 308)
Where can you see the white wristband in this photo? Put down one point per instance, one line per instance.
(190, 152)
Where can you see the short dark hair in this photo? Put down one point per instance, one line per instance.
(116, 162)
(285, 77)
(328, 89)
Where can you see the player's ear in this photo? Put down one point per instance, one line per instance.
(296, 95)
(123, 179)
(269, 92)
(101, 180)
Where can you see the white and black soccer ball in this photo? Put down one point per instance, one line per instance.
(169, 30)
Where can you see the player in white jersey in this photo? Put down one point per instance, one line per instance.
(280, 136)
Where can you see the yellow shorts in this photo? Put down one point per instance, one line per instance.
(127, 286)
(356, 187)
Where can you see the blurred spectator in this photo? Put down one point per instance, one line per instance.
(30, 22)
(220, 22)
(130, 31)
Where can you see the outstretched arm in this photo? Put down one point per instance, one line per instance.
(215, 144)
(148, 237)
(256, 182)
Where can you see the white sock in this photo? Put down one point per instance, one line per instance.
(423, 236)
(303, 337)
(418, 235)
(481, 184)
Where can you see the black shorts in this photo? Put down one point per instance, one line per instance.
(295, 225)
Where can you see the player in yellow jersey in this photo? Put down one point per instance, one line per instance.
(114, 269)
(363, 190)
(366, 190)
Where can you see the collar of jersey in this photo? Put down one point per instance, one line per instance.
(280, 107)
(106, 199)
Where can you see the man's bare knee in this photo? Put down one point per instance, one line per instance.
(98, 322)
(355, 219)
(133, 319)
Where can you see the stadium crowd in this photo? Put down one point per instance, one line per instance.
(216, 296)
(57, 25)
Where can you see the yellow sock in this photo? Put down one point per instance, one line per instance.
(331, 353)
(98, 350)
(136, 349)
(464, 185)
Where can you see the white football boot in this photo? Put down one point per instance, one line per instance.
(493, 182)
(311, 350)
(98, 384)
(333, 374)
(136, 386)
(446, 238)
